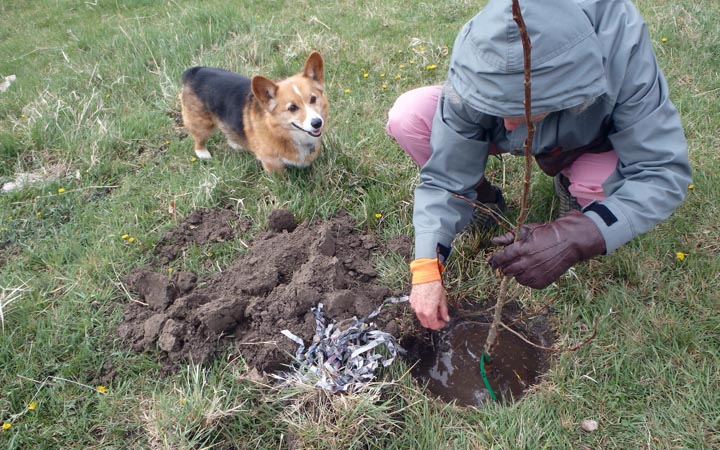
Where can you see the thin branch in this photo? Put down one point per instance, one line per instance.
(555, 350)
(499, 218)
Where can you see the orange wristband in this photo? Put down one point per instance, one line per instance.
(425, 270)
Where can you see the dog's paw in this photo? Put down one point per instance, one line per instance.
(203, 154)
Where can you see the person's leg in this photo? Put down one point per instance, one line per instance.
(410, 121)
(586, 175)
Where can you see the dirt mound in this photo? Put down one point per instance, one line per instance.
(287, 271)
(202, 226)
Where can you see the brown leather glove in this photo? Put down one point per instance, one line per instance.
(547, 250)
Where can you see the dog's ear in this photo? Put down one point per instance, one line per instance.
(265, 91)
(314, 68)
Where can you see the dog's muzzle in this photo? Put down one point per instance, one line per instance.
(316, 123)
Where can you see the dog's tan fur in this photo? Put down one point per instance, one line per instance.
(280, 122)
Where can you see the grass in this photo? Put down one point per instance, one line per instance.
(94, 113)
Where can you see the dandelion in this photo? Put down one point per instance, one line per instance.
(347, 91)
(167, 142)
(420, 48)
(131, 239)
(32, 406)
(61, 190)
(431, 67)
(691, 187)
(382, 75)
(681, 256)
(6, 426)
(193, 159)
(210, 254)
(411, 62)
(170, 270)
(124, 236)
(9, 217)
(38, 214)
(397, 77)
(402, 66)
(22, 116)
(663, 40)
(378, 216)
(102, 389)
(365, 75)
(384, 86)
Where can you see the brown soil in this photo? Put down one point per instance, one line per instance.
(287, 271)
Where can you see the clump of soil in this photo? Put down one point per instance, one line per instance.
(287, 271)
(201, 227)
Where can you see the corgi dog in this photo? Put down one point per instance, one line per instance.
(281, 122)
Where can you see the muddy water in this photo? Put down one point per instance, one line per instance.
(451, 369)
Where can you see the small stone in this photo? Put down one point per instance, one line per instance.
(589, 425)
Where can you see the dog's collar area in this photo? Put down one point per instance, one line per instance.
(313, 133)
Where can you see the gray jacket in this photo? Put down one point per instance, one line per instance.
(581, 50)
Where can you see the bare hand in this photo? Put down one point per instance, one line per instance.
(429, 302)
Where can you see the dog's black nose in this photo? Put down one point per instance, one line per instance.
(316, 123)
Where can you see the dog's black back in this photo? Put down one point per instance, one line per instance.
(224, 93)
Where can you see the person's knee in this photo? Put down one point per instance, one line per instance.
(402, 117)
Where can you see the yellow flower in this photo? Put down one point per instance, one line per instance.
(382, 75)
(384, 86)
(691, 187)
(378, 216)
(420, 48)
(680, 256)
(193, 159)
(39, 214)
(61, 190)
(347, 91)
(365, 75)
(22, 116)
(131, 239)
(167, 142)
(170, 270)
(124, 236)
(663, 40)
(102, 389)
(431, 67)
(402, 66)
(32, 406)
(412, 62)
(397, 77)
(9, 218)
(6, 426)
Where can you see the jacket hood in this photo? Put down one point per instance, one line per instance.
(486, 67)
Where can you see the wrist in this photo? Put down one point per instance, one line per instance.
(425, 270)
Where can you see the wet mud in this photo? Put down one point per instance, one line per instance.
(447, 362)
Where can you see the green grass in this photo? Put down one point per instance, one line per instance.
(94, 109)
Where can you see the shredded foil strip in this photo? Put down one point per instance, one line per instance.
(342, 355)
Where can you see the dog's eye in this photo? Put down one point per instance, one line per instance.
(293, 107)
(313, 99)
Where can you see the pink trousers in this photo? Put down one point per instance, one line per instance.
(410, 121)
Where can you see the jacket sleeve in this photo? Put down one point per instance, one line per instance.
(653, 171)
(459, 154)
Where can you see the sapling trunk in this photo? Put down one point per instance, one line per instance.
(527, 147)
